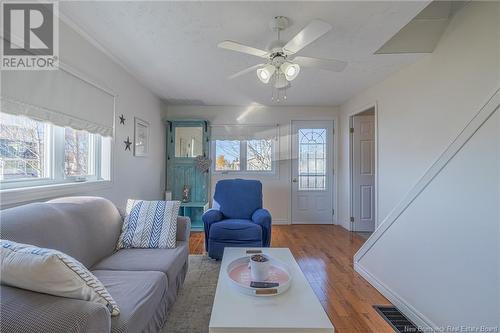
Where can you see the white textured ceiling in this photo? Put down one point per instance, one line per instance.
(172, 46)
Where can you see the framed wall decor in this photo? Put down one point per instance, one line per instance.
(141, 137)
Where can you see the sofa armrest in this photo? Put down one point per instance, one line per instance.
(263, 218)
(209, 217)
(183, 228)
(28, 311)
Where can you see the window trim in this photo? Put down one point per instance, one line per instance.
(21, 195)
(243, 158)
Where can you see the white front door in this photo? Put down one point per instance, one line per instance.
(363, 173)
(312, 171)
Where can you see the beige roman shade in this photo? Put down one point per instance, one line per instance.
(59, 97)
(243, 132)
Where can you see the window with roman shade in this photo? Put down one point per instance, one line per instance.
(55, 127)
(244, 148)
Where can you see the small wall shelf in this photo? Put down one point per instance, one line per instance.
(186, 140)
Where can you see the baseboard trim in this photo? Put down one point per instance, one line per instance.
(409, 311)
(314, 223)
(281, 222)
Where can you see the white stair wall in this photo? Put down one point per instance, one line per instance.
(437, 254)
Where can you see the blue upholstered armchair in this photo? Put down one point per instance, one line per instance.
(237, 219)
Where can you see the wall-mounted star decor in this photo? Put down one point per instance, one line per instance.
(122, 120)
(127, 143)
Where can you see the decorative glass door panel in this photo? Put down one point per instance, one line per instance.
(312, 159)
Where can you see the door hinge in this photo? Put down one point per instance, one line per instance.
(352, 219)
(351, 130)
(333, 211)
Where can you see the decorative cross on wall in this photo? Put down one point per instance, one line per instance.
(122, 120)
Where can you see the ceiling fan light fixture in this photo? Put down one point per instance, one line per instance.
(265, 73)
(290, 70)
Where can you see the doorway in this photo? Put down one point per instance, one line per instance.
(362, 169)
(312, 172)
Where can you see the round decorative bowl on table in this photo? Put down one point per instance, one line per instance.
(240, 277)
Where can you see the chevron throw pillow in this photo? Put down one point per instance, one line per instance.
(150, 224)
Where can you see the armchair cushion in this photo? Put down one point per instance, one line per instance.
(245, 229)
(238, 198)
(263, 218)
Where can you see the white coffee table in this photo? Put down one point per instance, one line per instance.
(296, 310)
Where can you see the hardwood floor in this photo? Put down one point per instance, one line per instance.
(325, 254)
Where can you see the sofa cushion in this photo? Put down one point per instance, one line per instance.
(150, 224)
(69, 225)
(236, 229)
(138, 295)
(27, 311)
(168, 261)
(51, 272)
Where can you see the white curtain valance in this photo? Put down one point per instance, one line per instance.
(58, 97)
(244, 132)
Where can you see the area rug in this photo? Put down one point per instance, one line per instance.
(191, 311)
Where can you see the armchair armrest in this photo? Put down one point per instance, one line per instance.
(28, 311)
(263, 218)
(209, 217)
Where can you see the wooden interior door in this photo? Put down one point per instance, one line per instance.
(363, 173)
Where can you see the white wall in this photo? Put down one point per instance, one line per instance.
(132, 177)
(276, 189)
(440, 257)
(423, 107)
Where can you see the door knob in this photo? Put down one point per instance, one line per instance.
(294, 179)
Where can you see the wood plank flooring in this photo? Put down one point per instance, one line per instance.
(325, 255)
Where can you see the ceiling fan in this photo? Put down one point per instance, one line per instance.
(281, 65)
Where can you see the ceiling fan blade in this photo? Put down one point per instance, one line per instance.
(306, 36)
(245, 71)
(328, 64)
(233, 46)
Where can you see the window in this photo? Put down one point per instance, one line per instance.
(36, 153)
(259, 155)
(251, 149)
(78, 153)
(255, 155)
(228, 155)
(24, 148)
(312, 159)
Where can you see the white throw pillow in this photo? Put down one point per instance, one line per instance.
(51, 272)
(150, 224)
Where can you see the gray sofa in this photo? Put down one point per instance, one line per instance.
(144, 282)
